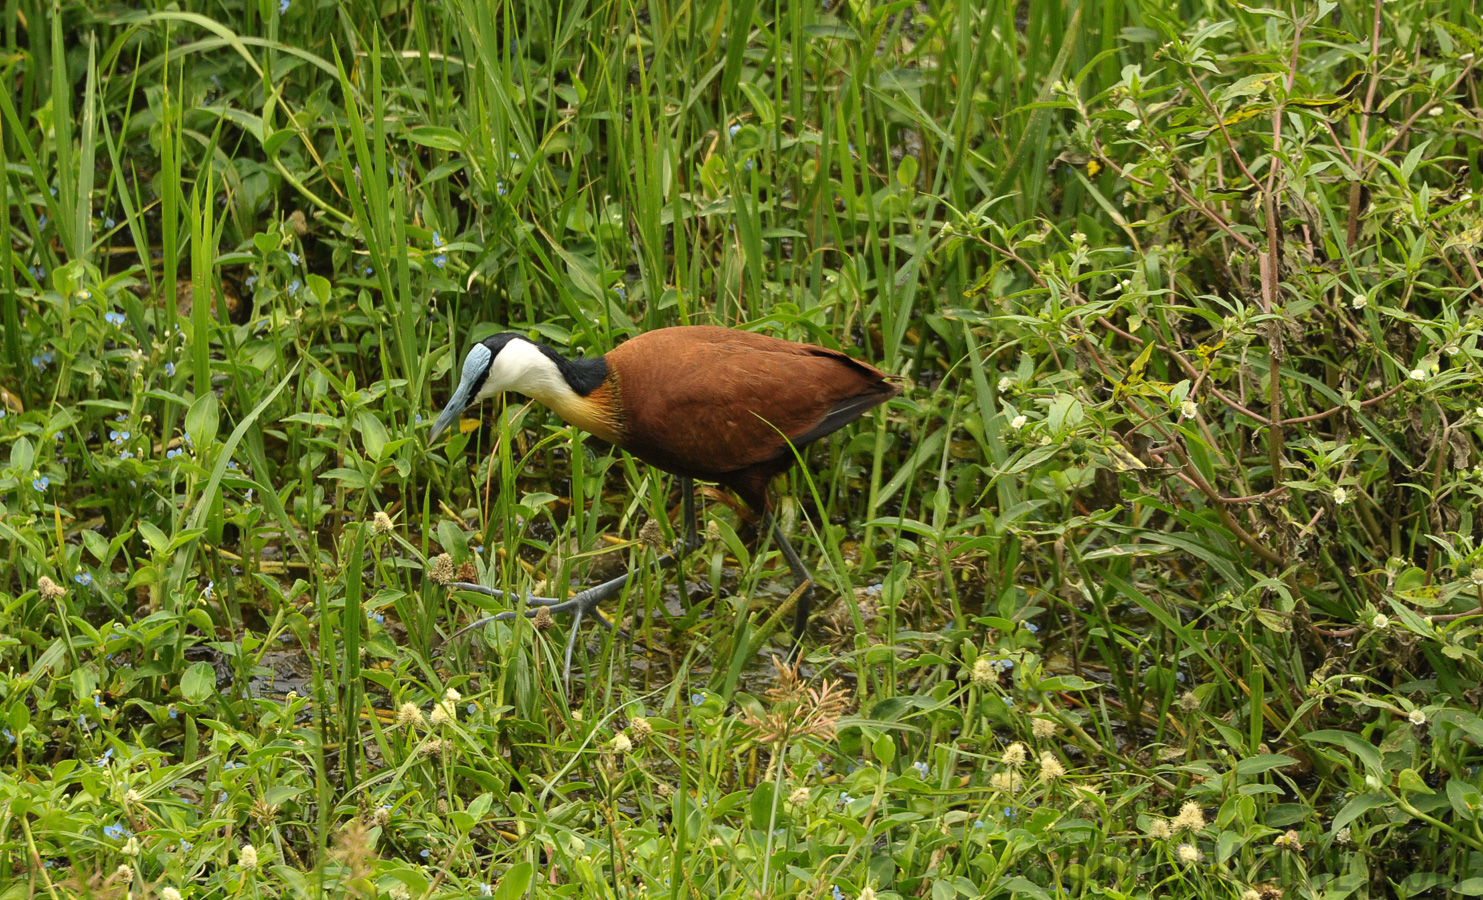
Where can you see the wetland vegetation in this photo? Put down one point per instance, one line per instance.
(1161, 578)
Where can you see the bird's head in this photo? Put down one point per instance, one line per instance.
(503, 362)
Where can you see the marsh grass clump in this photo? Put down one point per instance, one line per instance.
(1161, 577)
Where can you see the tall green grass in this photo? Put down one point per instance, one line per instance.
(1160, 578)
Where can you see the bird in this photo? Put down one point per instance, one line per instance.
(701, 402)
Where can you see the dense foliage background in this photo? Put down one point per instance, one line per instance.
(1160, 579)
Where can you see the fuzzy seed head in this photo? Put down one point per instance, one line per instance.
(124, 872)
(381, 524)
(169, 893)
(1188, 854)
(652, 536)
(49, 590)
(1015, 754)
(641, 730)
(542, 619)
(444, 713)
(798, 797)
(1190, 818)
(1188, 701)
(1289, 841)
(1008, 782)
(247, 857)
(1160, 830)
(408, 715)
(622, 743)
(1043, 729)
(984, 673)
(1050, 767)
(442, 569)
(867, 894)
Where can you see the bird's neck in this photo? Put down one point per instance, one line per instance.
(578, 390)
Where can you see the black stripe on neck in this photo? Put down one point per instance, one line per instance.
(584, 375)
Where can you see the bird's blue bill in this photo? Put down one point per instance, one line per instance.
(475, 368)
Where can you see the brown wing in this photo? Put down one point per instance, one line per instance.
(706, 401)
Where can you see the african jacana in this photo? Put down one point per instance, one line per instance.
(700, 401)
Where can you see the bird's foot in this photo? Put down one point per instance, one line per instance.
(579, 605)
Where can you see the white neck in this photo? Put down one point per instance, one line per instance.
(523, 368)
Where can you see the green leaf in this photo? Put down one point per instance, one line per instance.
(906, 172)
(373, 433)
(1264, 762)
(1357, 807)
(884, 749)
(320, 286)
(1411, 782)
(202, 421)
(1356, 745)
(760, 104)
(437, 138)
(157, 539)
(516, 882)
(198, 682)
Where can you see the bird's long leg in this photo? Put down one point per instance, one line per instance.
(801, 577)
(586, 601)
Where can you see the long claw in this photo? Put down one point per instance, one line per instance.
(586, 602)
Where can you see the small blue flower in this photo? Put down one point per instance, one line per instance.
(979, 824)
(1010, 814)
(293, 258)
(8, 736)
(169, 370)
(735, 129)
(185, 844)
(124, 454)
(174, 713)
(82, 721)
(98, 704)
(1032, 628)
(368, 271)
(838, 894)
(39, 273)
(437, 239)
(108, 222)
(232, 464)
(499, 188)
(251, 280)
(53, 192)
(39, 360)
(514, 155)
(173, 452)
(440, 260)
(41, 220)
(845, 799)
(210, 590)
(696, 699)
(922, 768)
(293, 286)
(83, 578)
(121, 417)
(747, 165)
(486, 889)
(282, 7)
(619, 290)
(222, 797)
(41, 483)
(425, 853)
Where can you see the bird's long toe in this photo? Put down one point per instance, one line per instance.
(530, 599)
